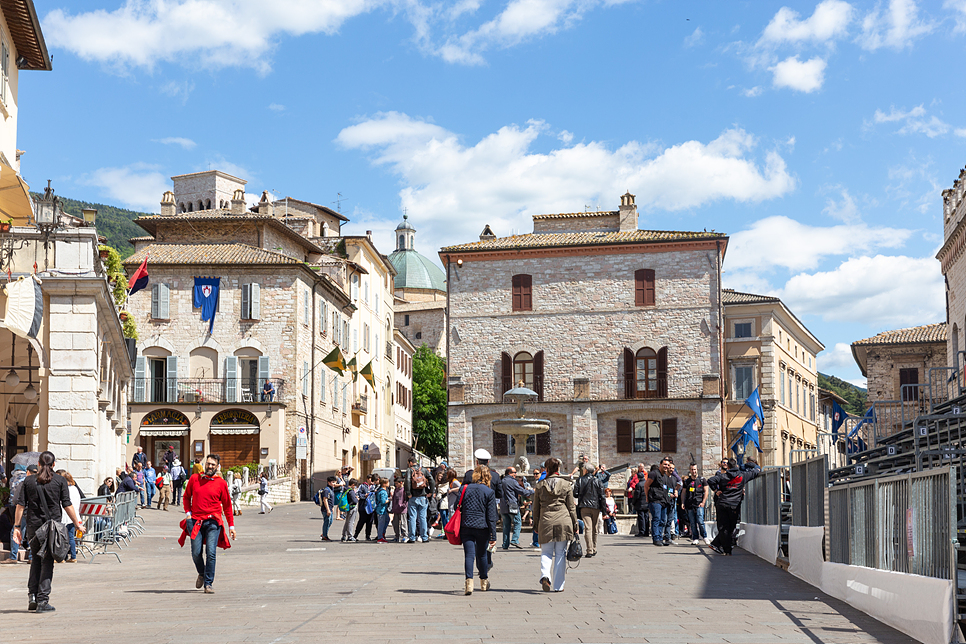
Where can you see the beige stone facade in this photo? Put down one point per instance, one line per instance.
(603, 364)
(892, 359)
(953, 267)
(403, 397)
(768, 348)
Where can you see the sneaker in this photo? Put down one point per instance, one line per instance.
(545, 583)
(209, 590)
(716, 549)
(45, 608)
(707, 540)
(200, 581)
(695, 542)
(419, 539)
(381, 541)
(352, 539)
(517, 546)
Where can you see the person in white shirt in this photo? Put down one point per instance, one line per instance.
(75, 499)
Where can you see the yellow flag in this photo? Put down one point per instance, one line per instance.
(367, 374)
(335, 361)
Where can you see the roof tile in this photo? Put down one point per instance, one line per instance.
(731, 296)
(208, 254)
(914, 335)
(589, 238)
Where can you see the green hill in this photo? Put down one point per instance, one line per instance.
(856, 396)
(116, 224)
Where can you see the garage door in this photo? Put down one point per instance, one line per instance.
(235, 449)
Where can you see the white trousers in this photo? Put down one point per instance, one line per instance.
(553, 562)
(263, 500)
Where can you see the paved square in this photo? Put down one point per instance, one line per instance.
(279, 584)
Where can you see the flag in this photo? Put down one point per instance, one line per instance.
(838, 417)
(750, 431)
(25, 306)
(139, 280)
(754, 401)
(367, 374)
(335, 360)
(354, 368)
(869, 417)
(206, 299)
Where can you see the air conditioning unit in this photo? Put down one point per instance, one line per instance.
(190, 397)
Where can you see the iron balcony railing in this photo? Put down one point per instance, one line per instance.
(567, 389)
(205, 390)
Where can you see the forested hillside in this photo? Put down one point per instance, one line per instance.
(855, 395)
(116, 224)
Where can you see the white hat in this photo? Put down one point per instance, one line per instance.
(481, 455)
(176, 463)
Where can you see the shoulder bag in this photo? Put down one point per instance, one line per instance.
(452, 528)
(53, 532)
(574, 551)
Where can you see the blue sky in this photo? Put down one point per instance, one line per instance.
(818, 135)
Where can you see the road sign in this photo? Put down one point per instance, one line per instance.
(303, 438)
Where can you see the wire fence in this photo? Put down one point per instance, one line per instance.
(109, 523)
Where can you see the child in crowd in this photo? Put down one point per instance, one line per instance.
(399, 509)
(352, 512)
(382, 510)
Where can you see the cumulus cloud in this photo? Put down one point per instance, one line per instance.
(501, 180)
(138, 185)
(753, 92)
(882, 291)
(186, 144)
(828, 22)
(696, 38)
(896, 27)
(835, 358)
(958, 7)
(914, 121)
(802, 76)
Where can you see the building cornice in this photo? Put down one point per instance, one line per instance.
(577, 251)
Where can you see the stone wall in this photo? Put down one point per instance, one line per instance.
(606, 221)
(427, 321)
(884, 362)
(205, 186)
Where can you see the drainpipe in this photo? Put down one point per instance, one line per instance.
(315, 285)
(721, 356)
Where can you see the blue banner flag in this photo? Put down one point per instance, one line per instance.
(868, 418)
(206, 299)
(838, 417)
(754, 401)
(750, 432)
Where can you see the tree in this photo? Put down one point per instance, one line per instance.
(429, 402)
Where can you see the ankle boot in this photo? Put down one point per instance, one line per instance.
(484, 584)
(31, 601)
(469, 587)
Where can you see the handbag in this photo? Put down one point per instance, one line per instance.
(53, 532)
(574, 551)
(452, 527)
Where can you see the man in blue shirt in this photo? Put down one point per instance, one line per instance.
(150, 475)
(511, 490)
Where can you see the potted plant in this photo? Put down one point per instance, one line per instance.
(124, 315)
(104, 251)
(5, 225)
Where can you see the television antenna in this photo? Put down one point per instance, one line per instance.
(338, 202)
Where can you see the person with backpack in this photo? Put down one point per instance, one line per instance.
(399, 509)
(349, 501)
(20, 473)
(325, 499)
(589, 493)
(42, 496)
(179, 475)
(382, 495)
(367, 506)
(419, 486)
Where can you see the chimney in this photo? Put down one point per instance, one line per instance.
(487, 234)
(264, 205)
(628, 212)
(168, 208)
(238, 202)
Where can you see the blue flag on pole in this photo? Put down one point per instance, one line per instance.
(750, 431)
(754, 401)
(206, 299)
(868, 418)
(838, 417)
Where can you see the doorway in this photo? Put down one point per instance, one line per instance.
(161, 446)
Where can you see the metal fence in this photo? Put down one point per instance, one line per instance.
(904, 523)
(109, 523)
(763, 498)
(809, 479)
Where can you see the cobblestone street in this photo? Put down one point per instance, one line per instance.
(279, 584)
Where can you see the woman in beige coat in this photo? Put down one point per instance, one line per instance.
(555, 520)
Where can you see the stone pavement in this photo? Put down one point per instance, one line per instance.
(279, 585)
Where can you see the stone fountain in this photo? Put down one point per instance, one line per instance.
(521, 427)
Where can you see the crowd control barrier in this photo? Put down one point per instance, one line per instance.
(109, 523)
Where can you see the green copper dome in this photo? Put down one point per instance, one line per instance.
(415, 271)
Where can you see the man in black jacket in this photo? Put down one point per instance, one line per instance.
(510, 507)
(729, 489)
(590, 502)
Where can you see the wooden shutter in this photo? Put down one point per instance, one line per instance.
(507, 383)
(630, 384)
(522, 292)
(264, 373)
(246, 308)
(662, 372)
(231, 379)
(164, 304)
(538, 379)
(500, 445)
(543, 443)
(256, 305)
(644, 287)
(639, 287)
(669, 435)
(171, 377)
(517, 303)
(140, 367)
(625, 436)
(155, 301)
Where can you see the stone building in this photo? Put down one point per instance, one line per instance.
(767, 347)
(403, 398)
(420, 290)
(892, 359)
(615, 328)
(953, 268)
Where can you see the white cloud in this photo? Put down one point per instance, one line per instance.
(180, 91)
(914, 121)
(501, 181)
(696, 38)
(881, 291)
(138, 185)
(187, 144)
(844, 210)
(896, 27)
(959, 9)
(275, 107)
(837, 357)
(829, 21)
(785, 243)
(753, 92)
(803, 76)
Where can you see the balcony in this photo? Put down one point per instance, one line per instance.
(361, 406)
(204, 390)
(389, 350)
(570, 389)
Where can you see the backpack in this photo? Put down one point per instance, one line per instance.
(342, 500)
(418, 480)
(371, 503)
(318, 498)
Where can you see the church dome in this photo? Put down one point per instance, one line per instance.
(415, 271)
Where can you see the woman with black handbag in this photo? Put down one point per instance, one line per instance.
(43, 496)
(555, 521)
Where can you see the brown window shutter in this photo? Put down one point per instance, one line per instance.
(662, 372)
(625, 436)
(648, 275)
(517, 293)
(538, 374)
(639, 287)
(500, 444)
(507, 383)
(522, 292)
(630, 384)
(669, 435)
(543, 443)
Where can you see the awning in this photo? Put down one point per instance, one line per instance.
(370, 452)
(749, 352)
(164, 431)
(15, 200)
(235, 429)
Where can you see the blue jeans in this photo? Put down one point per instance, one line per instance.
(72, 540)
(152, 489)
(382, 522)
(696, 521)
(511, 524)
(14, 546)
(143, 495)
(207, 538)
(475, 543)
(177, 494)
(659, 522)
(417, 518)
(326, 524)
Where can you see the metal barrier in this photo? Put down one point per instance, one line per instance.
(108, 523)
(809, 479)
(904, 523)
(763, 498)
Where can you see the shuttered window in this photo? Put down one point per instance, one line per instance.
(644, 287)
(625, 436)
(160, 302)
(235, 449)
(251, 302)
(522, 292)
(647, 436)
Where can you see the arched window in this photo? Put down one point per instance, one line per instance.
(646, 367)
(183, 207)
(201, 205)
(208, 204)
(645, 373)
(402, 242)
(523, 369)
(191, 207)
